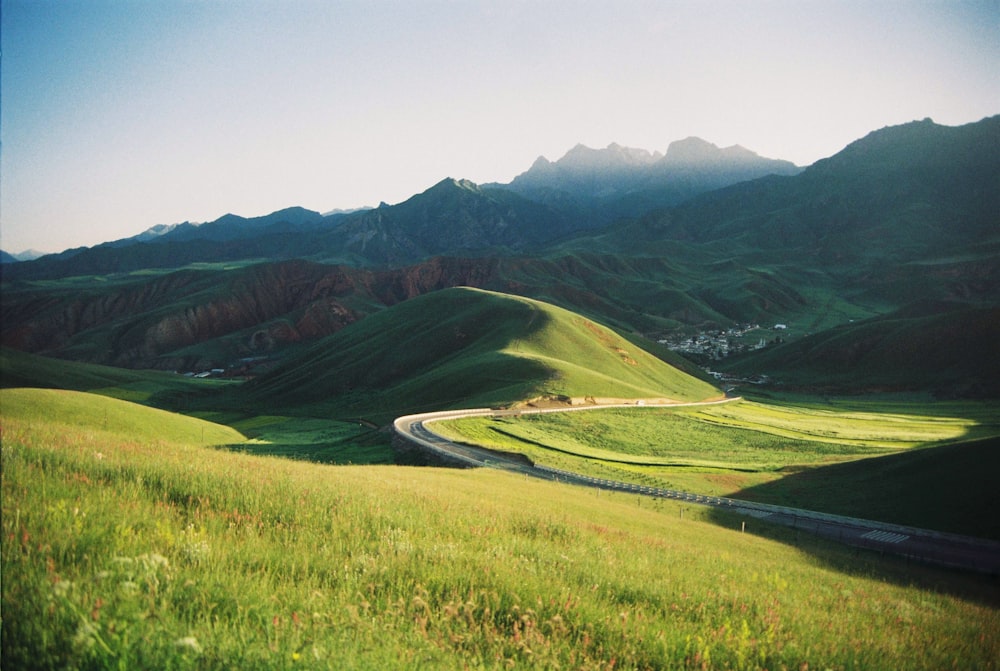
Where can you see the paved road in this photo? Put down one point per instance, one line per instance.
(919, 544)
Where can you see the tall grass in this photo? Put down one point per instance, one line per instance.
(124, 551)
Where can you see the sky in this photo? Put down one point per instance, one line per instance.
(119, 115)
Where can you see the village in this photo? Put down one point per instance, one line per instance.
(717, 344)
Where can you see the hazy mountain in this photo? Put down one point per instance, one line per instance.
(280, 235)
(233, 227)
(605, 184)
(157, 231)
(27, 255)
(907, 209)
(451, 217)
(585, 189)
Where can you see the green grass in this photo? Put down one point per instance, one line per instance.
(878, 426)
(314, 439)
(161, 553)
(950, 487)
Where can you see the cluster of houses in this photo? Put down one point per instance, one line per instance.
(243, 369)
(717, 344)
(214, 372)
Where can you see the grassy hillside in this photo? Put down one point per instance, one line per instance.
(466, 348)
(126, 552)
(893, 462)
(950, 487)
(319, 439)
(96, 418)
(19, 369)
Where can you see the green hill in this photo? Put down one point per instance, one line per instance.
(945, 487)
(464, 348)
(63, 412)
(19, 369)
(947, 349)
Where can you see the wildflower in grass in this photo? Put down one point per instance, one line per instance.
(62, 588)
(154, 561)
(195, 553)
(188, 644)
(85, 636)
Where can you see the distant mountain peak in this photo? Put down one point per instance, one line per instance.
(690, 144)
(695, 150)
(450, 183)
(154, 232)
(27, 255)
(613, 156)
(899, 147)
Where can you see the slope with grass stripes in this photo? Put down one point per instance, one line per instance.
(59, 412)
(466, 348)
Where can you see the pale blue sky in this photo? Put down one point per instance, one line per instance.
(120, 115)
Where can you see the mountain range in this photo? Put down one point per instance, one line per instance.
(697, 238)
(604, 185)
(585, 189)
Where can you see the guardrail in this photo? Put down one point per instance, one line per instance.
(878, 535)
(767, 508)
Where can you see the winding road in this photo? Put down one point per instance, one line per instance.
(923, 545)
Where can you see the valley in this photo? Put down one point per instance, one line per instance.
(200, 466)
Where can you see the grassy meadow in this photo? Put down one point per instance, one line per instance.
(129, 541)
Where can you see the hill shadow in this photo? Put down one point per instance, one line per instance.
(868, 563)
(951, 488)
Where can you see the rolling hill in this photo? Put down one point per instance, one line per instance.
(463, 347)
(947, 349)
(944, 487)
(27, 370)
(213, 317)
(75, 411)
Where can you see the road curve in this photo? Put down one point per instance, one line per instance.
(924, 545)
